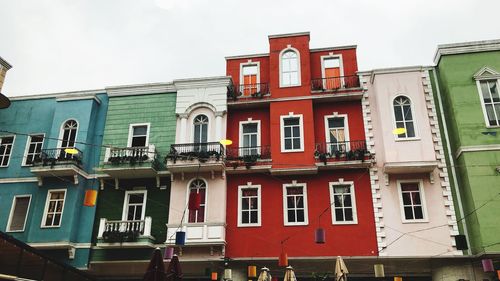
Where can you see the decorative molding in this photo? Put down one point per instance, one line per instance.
(59, 95)
(466, 47)
(204, 82)
(326, 49)
(247, 56)
(486, 73)
(476, 148)
(140, 89)
(79, 97)
(16, 180)
(5, 64)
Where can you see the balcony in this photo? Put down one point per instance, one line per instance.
(131, 162)
(247, 159)
(188, 157)
(339, 155)
(248, 91)
(133, 233)
(56, 162)
(200, 234)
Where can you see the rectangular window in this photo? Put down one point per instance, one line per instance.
(250, 138)
(412, 202)
(337, 134)
(249, 206)
(138, 135)
(250, 82)
(332, 76)
(295, 204)
(54, 207)
(292, 133)
(18, 213)
(5, 150)
(343, 203)
(135, 206)
(33, 149)
(491, 101)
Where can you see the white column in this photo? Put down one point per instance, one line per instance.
(218, 125)
(147, 226)
(183, 130)
(102, 226)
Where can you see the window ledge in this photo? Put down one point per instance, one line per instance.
(415, 221)
(58, 226)
(290, 86)
(407, 139)
(249, 225)
(292, 150)
(345, 223)
(296, 224)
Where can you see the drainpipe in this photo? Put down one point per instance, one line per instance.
(452, 163)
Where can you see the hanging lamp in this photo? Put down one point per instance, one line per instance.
(228, 274)
(488, 265)
(379, 270)
(180, 238)
(319, 236)
(252, 271)
(169, 253)
(398, 278)
(213, 276)
(90, 198)
(283, 261)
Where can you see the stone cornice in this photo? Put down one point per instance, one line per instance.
(204, 82)
(140, 89)
(307, 33)
(5, 64)
(477, 148)
(466, 47)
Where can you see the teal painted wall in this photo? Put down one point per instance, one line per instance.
(479, 183)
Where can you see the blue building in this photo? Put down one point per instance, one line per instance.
(49, 146)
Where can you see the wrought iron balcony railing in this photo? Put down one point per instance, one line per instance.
(334, 83)
(345, 150)
(248, 154)
(131, 155)
(200, 151)
(121, 231)
(257, 90)
(58, 156)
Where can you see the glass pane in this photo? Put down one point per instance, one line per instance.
(253, 217)
(291, 216)
(52, 206)
(253, 141)
(410, 130)
(192, 216)
(339, 215)
(244, 204)
(246, 141)
(409, 186)
(296, 143)
(250, 192)
(294, 78)
(245, 217)
(485, 92)
(336, 122)
(300, 216)
(348, 214)
(300, 202)
(288, 132)
(295, 190)
(408, 213)
(201, 215)
(491, 114)
(286, 79)
(337, 200)
(138, 141)
(57, 195)
(290, 202)
(296, 131)
(250, 128)
(415, 196)
(140, 130)
(291, 121)
(418, 212)
(204, 133)
(249, 69)
(57, 219)
(136, 198)
(197, 133)
(494, 92)
(407, 112)
(398, 113)
(253, 203)
(331, 62)
(406, 199)
(347, 201)
(48, 221)
(288, 144)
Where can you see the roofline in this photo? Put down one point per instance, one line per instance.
(466, 47)
(64, 95)
(5, 64)
(273, 36)
(247, 56)
(398, 69)
(333, 48)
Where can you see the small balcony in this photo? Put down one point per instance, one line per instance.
(254, 158)
(187, 157)
(57, 162)
(334, 84)
(248, 91)
(130, 233)
(200, 234)
(131, 162)
(333, 155)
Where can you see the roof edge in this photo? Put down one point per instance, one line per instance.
(466, 47)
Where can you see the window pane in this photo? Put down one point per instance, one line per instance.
(288, 144)
(294, 190)
(253, 217)
(136, 198)
(418, 212)
(336, 122)
(57, 219)
(406, 199)
(347, 200)
(250, 128)
(491, 114)
(291, 216)
(288, 132)
(290, 203)
(294, 78)
(244, 204)
(296, 131)
(253, 203)
(300, 202)
(485, 92)
(494, 92)
(201, 215)
(339, 215)
(140, 130)
(291, 121)
(331, 62)
(19, 213)
(408, 213)
(245, 217)
(286, 79)
(300, 216)
(138, 141)
(296, 143)
(407, 112)
(249, 69)
(409, 186)
(348, 214)
(415, 196)
(398, 113)
(410, 130)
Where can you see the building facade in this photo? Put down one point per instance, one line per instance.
(49, 147)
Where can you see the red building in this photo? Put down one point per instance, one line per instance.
(298, 161)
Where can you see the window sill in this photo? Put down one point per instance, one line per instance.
(415, 221)
(492, 127)
(249, 225)
(296, 224)
(14, 231)
(345, 223)
(407, 139)
(292, 150)
(290, 86)
(48, 227)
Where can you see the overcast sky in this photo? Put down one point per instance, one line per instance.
(66, 45)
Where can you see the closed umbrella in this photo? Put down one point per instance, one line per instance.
(156, 268)
(174, 272)
(264, 275)
(340, 270)
(289, 274)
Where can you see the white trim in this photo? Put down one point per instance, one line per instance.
(259, 205)
(7, 229)
(282, 131)
(294, 34)
(26, 149)
(15, 180)
(299, 83)
(476, 148)
(285, 209)
(481, 100)
(209, 136)
(480, 74)
(422, 199)
(188, 191)
(466, 47)
(126, 202)
(47, 201)
(61, 132)
(341, 67)
(241, 135)
(353, 202)
(11, 149)
(131, 131)
(346, 131)
(414, 119)
(250, 63)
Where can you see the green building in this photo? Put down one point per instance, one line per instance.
(466, 81)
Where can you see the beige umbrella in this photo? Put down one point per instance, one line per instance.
(264, 275)
(289, 274)
(340, 270)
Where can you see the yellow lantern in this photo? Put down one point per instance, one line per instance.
(398, 131)
(90, 198)
(71, 151)
(252, 271)
(226, 142)
(398, 278)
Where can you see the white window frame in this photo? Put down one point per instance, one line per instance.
(259, 210)
(415, 125)
(11, 149)
(126, 202)
(45, 211)
(61, 132)
(346, 131)
(241, 135)
(7, 229)
(26, 149)
(341, 68)
(282, 131)
(422, 199)
(289, 48)
(483, 106)
(131, 132)
(353, 202)
(285, 208)
(250, 63)
(188, 191)
(209, 136)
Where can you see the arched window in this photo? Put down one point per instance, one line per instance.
(68, 137)
(198, 186)
(404, 117)
(200, 132)
(290, 68)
